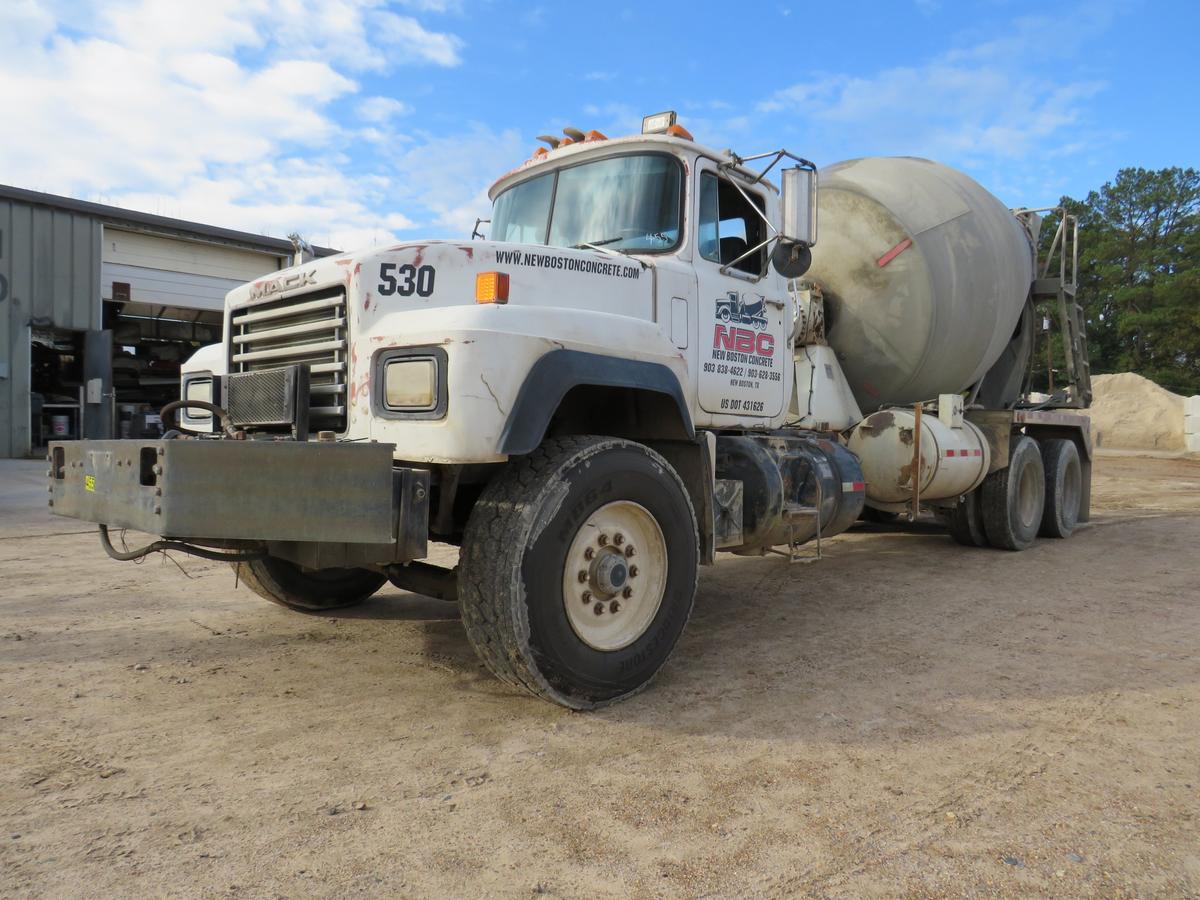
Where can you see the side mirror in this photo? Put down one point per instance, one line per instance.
(791, 260)
(799, 201)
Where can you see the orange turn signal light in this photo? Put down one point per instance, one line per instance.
(680, 132)
(491, 287)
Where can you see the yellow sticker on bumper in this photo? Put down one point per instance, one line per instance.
(89, 483)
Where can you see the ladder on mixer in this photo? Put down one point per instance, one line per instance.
(1062, 288)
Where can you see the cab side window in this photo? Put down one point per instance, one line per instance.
(729, 226)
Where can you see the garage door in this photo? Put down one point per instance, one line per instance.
(179, 274)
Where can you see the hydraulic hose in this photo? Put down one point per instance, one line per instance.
(167, 414)
(182, 547)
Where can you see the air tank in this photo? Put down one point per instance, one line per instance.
(924, 274)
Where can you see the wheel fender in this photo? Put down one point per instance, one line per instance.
(556, 373)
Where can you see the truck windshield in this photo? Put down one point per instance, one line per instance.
(626, 203)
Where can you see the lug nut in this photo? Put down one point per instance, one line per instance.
(604, 540)
(587, 596)
(633, 571)
(627, 593)
(618, 539)
(615, 606)
(629, 551)
(582, 576)
(598, 609)
(588, 553)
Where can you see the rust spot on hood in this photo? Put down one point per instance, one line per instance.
(470, 251)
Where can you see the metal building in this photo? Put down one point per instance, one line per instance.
(99, 305)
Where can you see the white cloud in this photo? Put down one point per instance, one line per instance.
(449, 176)
(433, 6)
(405, 37)
(381, 110)
(228, 111)
(980, 102)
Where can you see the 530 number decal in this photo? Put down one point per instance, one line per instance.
(405, 280)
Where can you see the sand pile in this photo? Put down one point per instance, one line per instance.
(1130, 412)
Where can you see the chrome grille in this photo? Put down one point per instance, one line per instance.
(308, 328)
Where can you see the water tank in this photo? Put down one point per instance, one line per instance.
(924, 274)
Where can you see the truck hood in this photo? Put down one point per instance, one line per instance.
(424, 274)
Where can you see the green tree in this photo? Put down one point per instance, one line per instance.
(1139, 275)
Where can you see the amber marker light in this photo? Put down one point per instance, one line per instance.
(491, 287)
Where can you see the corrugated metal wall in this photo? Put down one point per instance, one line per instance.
(50, 276)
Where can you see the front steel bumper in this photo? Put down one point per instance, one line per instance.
(287, 493)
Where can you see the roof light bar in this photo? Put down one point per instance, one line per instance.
(659, 122)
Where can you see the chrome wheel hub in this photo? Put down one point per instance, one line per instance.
(615, 575)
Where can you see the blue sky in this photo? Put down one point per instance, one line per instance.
(356, 121)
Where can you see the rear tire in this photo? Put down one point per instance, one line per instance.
(289, 585)
(1064, 488)
(965, 521)
(546, 557)
(1014, 497)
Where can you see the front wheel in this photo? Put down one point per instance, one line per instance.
(308, 590)
(578, 570)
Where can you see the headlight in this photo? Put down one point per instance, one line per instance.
(410, 383)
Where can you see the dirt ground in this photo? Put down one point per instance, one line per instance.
(907, 717)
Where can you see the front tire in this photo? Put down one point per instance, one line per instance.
(578, 570)
(311, 590)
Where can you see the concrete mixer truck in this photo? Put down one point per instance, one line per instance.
(655, 357)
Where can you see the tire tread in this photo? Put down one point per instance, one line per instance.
(491, 555)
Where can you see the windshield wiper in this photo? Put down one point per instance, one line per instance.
(598, 245)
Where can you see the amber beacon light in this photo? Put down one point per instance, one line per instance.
(491, 287)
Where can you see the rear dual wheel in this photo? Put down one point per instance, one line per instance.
(966, 521)
(1013, 498)
(1039, 493)
(578, 570)
(1064, 488)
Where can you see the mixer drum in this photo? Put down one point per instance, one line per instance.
(924, 273)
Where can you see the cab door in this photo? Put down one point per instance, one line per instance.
(743, 327)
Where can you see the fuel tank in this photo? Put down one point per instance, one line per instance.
(789, 484)
(924, 275)
(954, 458)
